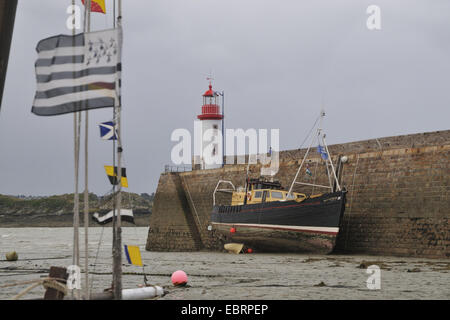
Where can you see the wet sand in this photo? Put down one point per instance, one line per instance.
(217, 275)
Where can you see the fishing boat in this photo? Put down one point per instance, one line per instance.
(269, 218)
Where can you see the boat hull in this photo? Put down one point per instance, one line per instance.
(309, 226)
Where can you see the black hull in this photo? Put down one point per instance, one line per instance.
(289, 226)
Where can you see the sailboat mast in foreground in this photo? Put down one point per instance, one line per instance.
(117, 245)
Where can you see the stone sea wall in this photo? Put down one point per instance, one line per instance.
(397, 203)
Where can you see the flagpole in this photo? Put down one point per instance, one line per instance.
(76, 214)
(76, 208)
(223, 128)
(114, 227)
(117, 260)
(87, 28)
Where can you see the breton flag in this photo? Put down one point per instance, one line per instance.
(76, 73)
(125, 215)
(97, 6)
(133, 255)
(108, 131)
(112, 176)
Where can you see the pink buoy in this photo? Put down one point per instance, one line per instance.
(249, 250)
(179, 278)
(233, 230)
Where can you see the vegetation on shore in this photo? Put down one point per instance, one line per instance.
(60, 204)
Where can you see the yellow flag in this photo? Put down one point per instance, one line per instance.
(112, 175)
(133, 255)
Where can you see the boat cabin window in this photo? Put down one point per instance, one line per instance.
(277, 195)
(256, 186)
(258, 194)
(291, 196)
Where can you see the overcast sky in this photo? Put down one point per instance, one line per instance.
(278, 61)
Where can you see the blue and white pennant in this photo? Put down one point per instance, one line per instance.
(323, 153)
(108, 131)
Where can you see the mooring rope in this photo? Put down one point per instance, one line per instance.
(49, 282)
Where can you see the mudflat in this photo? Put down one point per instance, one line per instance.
(221, 275)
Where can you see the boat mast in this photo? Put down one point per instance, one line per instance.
(322, 115)
(117, 245)
(320, 136)
(304, 158)
(246, 179)
(87, 28)
(76, 213)
(331, 163)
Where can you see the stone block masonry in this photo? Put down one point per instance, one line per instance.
(397, 203)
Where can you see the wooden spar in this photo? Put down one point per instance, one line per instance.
(117, 250)
(87, 28)
(114, 165)
(76, 210)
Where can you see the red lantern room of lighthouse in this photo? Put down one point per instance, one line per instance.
(211, 131)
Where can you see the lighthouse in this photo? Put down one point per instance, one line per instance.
(211, 143)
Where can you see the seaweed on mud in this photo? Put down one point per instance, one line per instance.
(321, 284)
(336, 265)
(365, 264)
(436, 265)
(443, 268)
(311, 260)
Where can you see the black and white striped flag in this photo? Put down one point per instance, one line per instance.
(76, 73)
(125, 215)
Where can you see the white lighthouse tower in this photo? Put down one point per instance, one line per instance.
(211, 156)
